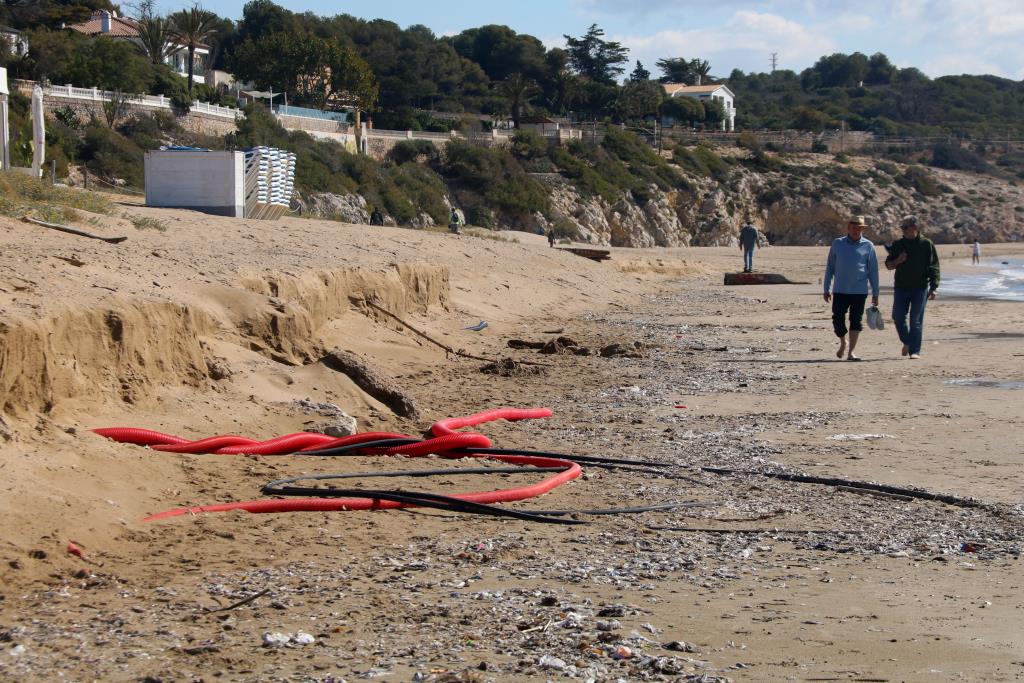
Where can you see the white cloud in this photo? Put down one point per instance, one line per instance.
(938, 36)
(853, 23)
(956, 64)
(745, 41)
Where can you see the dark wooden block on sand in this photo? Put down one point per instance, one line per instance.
(759, 279)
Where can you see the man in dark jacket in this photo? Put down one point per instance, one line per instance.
(916, 263)
(748, 242)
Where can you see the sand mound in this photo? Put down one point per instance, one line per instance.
(213, 325)
(671, 267)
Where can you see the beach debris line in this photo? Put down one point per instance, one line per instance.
(569, 346)
(509, 367)
(73, 231)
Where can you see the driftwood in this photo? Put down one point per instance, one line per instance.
(444, 346)
(235, 605)
(374, 382)
(427, 336)
(73, 231)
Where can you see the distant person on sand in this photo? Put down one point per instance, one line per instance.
(376, 217)
(454, 221)
(854, 266)
(976, 253)
(916, 262)
(551, 237)
(748, 242)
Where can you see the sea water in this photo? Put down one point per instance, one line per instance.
(995, 278)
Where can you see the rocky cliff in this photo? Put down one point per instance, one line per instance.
(802, 199)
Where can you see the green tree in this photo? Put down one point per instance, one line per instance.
(685, 109)
(109, 64)
(564, 92)
(352, 81)
(880, 70)
(52, 14)
(811, 120)
(155, 40)
(638, 99)
(675, 70)
(191, 28)
(274, 62)
(595, 58)
(714, 112)
(701, 69)
(501, 52)
(49, 53)
(639, 73)
(518, 90)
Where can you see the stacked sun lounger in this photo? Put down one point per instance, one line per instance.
(269, 182)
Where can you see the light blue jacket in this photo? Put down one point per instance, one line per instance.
(853, 265)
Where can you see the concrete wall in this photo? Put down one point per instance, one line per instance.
(212, 182)
(311, 125)
(194, 121)
(379, 143)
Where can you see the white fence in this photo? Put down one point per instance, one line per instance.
(70, 92)
(154, 101)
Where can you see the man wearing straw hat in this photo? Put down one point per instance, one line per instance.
(853, 266)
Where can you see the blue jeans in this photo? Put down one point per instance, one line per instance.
(748, 259)
(913, 301)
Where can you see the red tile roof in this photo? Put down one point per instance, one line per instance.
(120, 27)
(672, 88)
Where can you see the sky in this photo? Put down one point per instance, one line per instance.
(940, 37)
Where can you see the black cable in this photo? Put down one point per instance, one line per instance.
(867, 486)
(279, 488)
(625, 511)
(563, 456)
(423, 499)
(638, 466)
(272, 487)
(344, 450)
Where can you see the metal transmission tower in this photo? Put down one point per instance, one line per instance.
(775, 61)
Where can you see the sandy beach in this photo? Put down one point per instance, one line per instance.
(217, 326)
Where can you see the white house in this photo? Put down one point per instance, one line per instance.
(718, 93)
(104, 23)
(17, 44)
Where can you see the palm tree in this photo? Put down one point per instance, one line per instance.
(701, 69)
(189, 28)
(518, 89)
(155, 39)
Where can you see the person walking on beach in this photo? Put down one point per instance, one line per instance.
(454, 221)
(916, 262)
(748, 242)
(854, 267)
(376, 217)
(551, 237)
(976, 253)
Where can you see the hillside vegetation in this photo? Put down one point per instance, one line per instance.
(619, 191)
